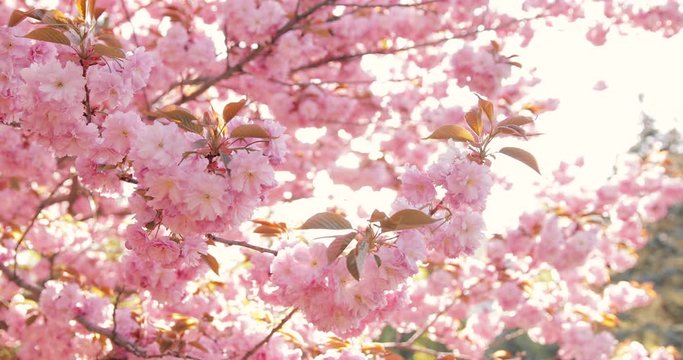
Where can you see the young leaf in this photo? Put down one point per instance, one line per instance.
(378, 260)
(455, 132)
(250, 131)
(16, 17)
(230, 110)
(268, 230)
(109, 51)
(326, 220)
(521, 155)
(48, 34)
(407, 219)
(352, 266)
(173, 112)
(338, 245)
(516, 120)
(377, 216)
(81, 5)
(212, 262)
(487, 107)
(513, 130)
(473, 119)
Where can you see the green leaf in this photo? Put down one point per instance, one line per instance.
(48, 34)
(338, 245)
(455, 132)
(326, 220)
(109, 51)
(407, 219)
(250, 131)
(522, 156)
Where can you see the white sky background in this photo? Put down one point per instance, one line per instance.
(595, 125)
(598, 125)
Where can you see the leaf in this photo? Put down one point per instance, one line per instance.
(487, 107)
(473, 119)
(81, 6)
(182, 117)
(377, 216)
(378, 260)
(356, 259)
(16, 17)
(352, 266)
(212, 262)
(521, 155)
(338, 245)
(250, 131)
(48, 34)
(407, 219)
(455, 132)
(516, 120)
(197, 345)
(268, 230)
(173, 112)
(231, 110)
(513, 130)
(109, 51)
(326, 220)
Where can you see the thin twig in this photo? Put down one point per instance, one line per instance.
(232, 70)
(347, 57)
(272, 332)
(43, 204)
(240, 243)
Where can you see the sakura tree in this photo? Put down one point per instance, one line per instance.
(139, 140)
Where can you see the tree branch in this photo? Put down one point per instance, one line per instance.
(240, 243)
(232, 70)
(272, 332)
(347, 57)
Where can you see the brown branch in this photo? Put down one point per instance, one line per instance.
(347, 57)
(240, 243)
(232, 70)
(43, 204)
(112, 335)
(13, 277)
(272, 332)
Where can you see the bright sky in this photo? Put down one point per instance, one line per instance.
(598, 125)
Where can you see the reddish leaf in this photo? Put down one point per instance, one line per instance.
(522, 156)
(212, 262)
(48, 34)
(487, 107)
(455, 132)
(338, 245)
(377, 216)
(407, 219)
(267, 230)
(326, 220)
(230, 110)
(250, 131)
(473, 119)
(513, 130)
(352, 266)
(109, 51)
(516, 120)
(16, 17)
